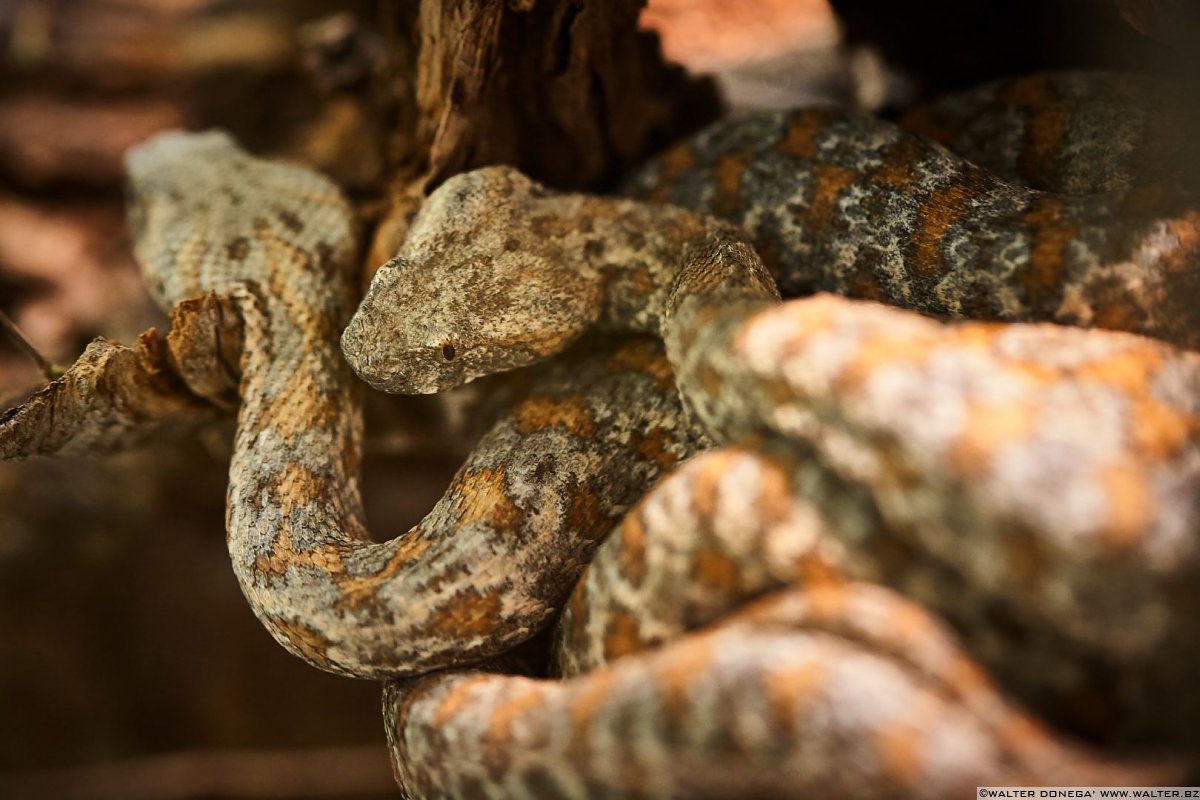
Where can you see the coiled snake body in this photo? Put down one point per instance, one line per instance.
(468, 581)
(1054, 483)
(1036, 485)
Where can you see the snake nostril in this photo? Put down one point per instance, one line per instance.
(448, 352)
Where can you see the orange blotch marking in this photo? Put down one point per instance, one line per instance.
(690, 659)
(898, 169)
(643, 355)
(805, 317)
(622, 636)
(730, 168)
(326, 558)
(877, 352)
(1130, 370)
(864, 284)
(1186, 230)
(829, 601)
(1117, 314)
(304, 404)
(716, 572)
(705, 475)
(967, 678)
(468, 614)
(828, 181)
(1159, 431)
(815, 572)
(359, 589)
(677, 160)
(789, 691)
(899, 750)
(1018, 734)
(503, 716)
(774, 500)
(1051, 233)
(909, 624)
(631, 558)
(584, 514)
(1045, 129)
(294, 487)
(484, 497)
(456, 699)
(943, 209)
(988, 429)
(1131, 506)
(587, 700)
(975, 335)
(1034, 373)
(307, 641)
(541, 411)
(653, 446)
(800, 139)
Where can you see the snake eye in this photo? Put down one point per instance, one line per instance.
(448, 352)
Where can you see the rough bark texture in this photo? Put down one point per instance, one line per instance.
(567, 90)
(113, 397)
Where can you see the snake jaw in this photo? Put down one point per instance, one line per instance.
(424, 368)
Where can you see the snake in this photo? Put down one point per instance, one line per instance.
(733, 525)
(828, 686)
(1057, 480)
(492, 561)
(524, 264)
(499, 272)
(1071, 132)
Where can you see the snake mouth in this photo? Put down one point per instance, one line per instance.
(394, 372)
(364, 360)
(396, 381)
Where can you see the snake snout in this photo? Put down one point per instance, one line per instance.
(382, 367)
(361, 356)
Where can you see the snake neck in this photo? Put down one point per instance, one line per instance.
(649, 258)
(669, 271)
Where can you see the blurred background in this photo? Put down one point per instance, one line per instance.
(130, 666)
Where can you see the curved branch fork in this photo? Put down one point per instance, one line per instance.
(115, 396)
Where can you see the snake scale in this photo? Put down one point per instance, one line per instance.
(758, 622)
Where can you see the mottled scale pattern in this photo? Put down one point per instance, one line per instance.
(1036, 484)
(521, 272)
(843, 690)
(493, 559)
(1054, 467)
(737, 522)
(843, 202)
(1070, 456)
(1071, 132)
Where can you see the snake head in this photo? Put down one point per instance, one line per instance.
(475, 290)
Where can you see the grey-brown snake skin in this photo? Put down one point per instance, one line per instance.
(765, 620)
